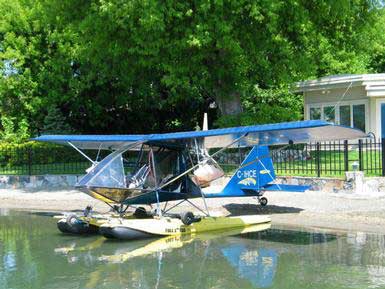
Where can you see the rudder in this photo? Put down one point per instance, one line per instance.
(255, 172)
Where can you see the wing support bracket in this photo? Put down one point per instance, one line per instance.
(81, 152)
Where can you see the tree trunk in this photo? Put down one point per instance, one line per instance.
(229, 104)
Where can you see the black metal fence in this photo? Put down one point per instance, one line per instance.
(322, 158)
(332, 158)
(41, 160)
(312, 159)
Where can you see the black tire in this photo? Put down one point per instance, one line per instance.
(74, 225)
(140, 213)
(71, 219)
(187, 218)
(263, 201)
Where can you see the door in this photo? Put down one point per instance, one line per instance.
(382, 120)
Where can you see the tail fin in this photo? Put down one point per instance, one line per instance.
(255, 172)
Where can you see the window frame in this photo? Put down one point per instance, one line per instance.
(350, 103)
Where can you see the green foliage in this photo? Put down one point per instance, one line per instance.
(14, 133)
(55, 122)
(266, 106)
(138, 66)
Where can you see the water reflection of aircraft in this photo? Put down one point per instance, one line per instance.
(250, 259)
(256, 265)
(150, 246)
(259, 265)
(73, 246)
(175, 166)
(172, 242)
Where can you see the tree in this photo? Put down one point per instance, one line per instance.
(140, 65)
(55, 122)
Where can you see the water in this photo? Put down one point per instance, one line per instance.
(33, 254)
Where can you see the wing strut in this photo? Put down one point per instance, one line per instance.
(158, 210)
(81, 152)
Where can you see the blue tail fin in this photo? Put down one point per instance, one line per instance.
(255, 172)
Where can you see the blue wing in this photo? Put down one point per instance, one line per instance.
(267, 134)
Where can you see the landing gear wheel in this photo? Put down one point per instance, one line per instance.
(140, 213)
(263, 201)
(72, 219)
(187, 218)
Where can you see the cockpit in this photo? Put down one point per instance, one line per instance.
(148, 167)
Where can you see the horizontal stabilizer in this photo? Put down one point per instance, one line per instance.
(286, 188)
(250, 188)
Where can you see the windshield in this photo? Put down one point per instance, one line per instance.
(148, 168)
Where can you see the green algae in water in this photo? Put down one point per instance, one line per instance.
(34, 254)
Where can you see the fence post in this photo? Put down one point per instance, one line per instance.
(360, 158)
(383, 156)
(29, 160)
(318, 147)
(346, 156)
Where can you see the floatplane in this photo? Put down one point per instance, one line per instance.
(175, 167)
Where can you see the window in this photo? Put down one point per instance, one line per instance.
(315, 113)
(345, 115)
(359, 116)
(329, 113)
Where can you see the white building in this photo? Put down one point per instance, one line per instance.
(352, 100)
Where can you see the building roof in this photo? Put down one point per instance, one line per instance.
(374, 83)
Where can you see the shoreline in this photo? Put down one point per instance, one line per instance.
(314, 210)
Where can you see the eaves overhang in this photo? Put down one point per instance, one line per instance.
(374, 83)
